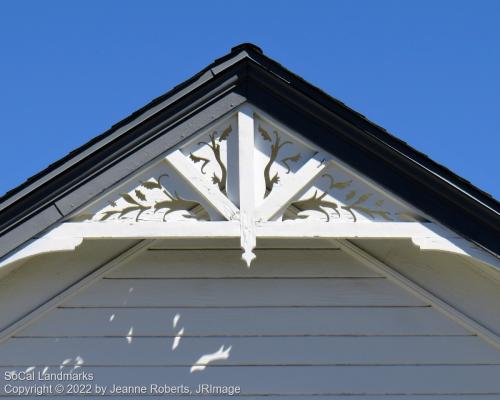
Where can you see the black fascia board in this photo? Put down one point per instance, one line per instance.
(393, 169)
(115, 149)
(337, 107)
(217, 69)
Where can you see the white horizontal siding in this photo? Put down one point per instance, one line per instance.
(228, 264)
(300, 322)
(297, 350)
(281, 321)
(246, 292)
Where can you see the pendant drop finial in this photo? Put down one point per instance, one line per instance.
(248, 257)
(248, 238)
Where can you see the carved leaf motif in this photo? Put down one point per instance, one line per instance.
(362, 198)
(317, 203)
(275, 179)
(340, 185)
(293, 159)
(129, 199)
(173, 203)
(124, 211)
(357, 205)
(140, 195)
(276, 146)
(215, 179)
(265, 135)
(220, 181)
(350, 195)
(197, 159)
(107, 214)
(176, 203)
(130, 209)
(313, 203)
(371, 213)
(225, 133)
(155, 184)
(151, 185)
(336, 185)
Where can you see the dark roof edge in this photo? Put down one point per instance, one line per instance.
(363, 123)
(256, 54)
(240, 54)
(154, 106)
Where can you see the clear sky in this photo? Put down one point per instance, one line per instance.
(427, 71)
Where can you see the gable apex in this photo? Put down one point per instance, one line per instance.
(247, 75)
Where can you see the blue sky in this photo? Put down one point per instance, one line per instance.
(427, 71)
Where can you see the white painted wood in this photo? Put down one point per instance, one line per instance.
(68, 234)
(228, 229)
(295, 310)
(427, 235)
(291, 263)
(39, 279)
(199, 183)
(41, 246)
(437, 244)
(70, 290)
(232, 156)
(310, 380)
(243, 292)
(280, 198)
(372, 185)
(421, 293)
(466, 284)
(246, 182)
(339, 350)
(348, 230)
(234, 243)
(147, 229)
(458, 246)
(269, 321)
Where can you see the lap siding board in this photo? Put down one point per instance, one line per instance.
(299, 323)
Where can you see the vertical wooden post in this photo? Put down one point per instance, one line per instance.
(246, 182)
(233, 186)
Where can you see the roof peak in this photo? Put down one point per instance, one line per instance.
(248, 75)
(246, 46)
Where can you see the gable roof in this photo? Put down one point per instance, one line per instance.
(325, 121)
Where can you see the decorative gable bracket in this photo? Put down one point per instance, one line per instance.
(250, 177)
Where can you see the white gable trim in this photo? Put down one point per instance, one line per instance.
(280, 198)
(247, 219)
(72, 290)
(427, 236)
(246, 183)
(420, 292)
(220, 202)
(40, 246)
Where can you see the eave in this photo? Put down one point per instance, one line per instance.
(250, 76)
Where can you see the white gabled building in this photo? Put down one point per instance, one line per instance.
(249, 232)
